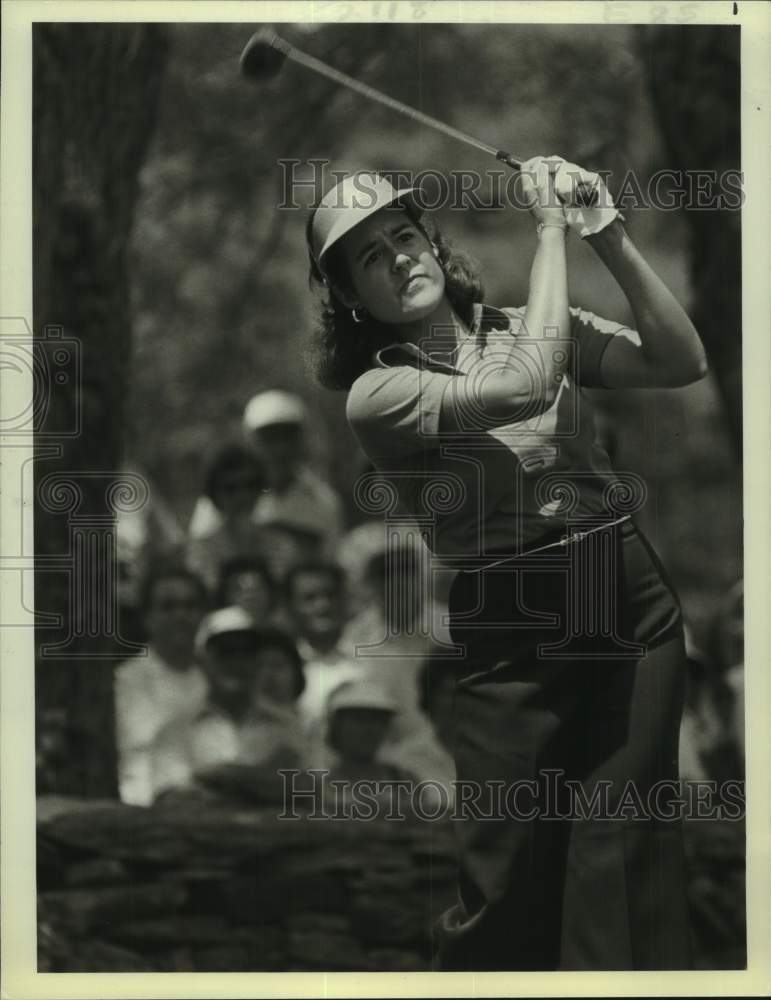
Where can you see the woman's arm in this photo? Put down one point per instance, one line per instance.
(670, 352)
(519, 376)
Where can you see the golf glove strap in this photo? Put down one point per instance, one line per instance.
(585, 221)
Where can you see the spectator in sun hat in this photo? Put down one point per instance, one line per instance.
(227, 644)
(275, 733)
(250, 726)
(359, 715)
(274, 426)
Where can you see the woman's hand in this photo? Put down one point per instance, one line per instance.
(554, 190)
(572, 185)
(539, 191)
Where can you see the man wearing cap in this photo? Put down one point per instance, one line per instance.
(227, 643)
(296, 498)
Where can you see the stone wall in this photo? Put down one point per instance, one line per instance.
(202, 888)
(198, 888)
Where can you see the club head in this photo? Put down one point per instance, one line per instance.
(263, 55)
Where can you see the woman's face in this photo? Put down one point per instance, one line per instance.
(276, 676)
(392, 268)
(249, 590)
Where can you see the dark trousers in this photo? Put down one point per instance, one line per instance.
(559, 714)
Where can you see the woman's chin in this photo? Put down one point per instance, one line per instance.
(419, 306)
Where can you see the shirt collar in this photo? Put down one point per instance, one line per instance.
(484, 316)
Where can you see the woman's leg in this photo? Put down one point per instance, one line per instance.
(625, 904)
(509, 729)
(595, 721)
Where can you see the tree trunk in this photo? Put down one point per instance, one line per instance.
(95, 89)
(694, 75)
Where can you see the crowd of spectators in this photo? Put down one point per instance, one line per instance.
(278, 640)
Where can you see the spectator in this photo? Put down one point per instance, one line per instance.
(296, 498)
(289, 545)
(246, 582)
(144, 535)
(249, 727)
(227, 643)
(315, 598)
(275, 734)
(152, 691)
(234, 479)
(275, 424)
(399, 626)
(359, 715)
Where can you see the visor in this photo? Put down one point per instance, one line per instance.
(351, 202)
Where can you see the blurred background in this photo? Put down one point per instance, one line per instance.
(159, 246)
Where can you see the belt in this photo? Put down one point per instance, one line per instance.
(566, 540)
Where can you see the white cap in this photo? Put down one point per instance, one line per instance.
(349, 203)
(360, 694)
(232, 619)
(273, 407)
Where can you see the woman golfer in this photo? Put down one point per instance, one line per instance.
(570, 683)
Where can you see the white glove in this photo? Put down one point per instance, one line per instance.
(586, 221)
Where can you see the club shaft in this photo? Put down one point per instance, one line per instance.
(317, 66)
(586, 194)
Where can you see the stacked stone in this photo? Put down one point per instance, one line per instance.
(198, 888)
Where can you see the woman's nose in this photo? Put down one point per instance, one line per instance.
(401, 260)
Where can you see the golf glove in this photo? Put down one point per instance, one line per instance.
(586, 221)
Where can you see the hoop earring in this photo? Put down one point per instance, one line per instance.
(356, 318)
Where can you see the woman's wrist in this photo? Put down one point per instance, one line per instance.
(608, 239)
(543, 229)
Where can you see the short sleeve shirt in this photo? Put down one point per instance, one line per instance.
(476, 492)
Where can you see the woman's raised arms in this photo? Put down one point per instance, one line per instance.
(669, 352)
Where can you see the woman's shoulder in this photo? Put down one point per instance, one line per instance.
(376, 387)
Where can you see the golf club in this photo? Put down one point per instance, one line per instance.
(266, 52)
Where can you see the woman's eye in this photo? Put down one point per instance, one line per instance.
(406, 237)
(372, 258)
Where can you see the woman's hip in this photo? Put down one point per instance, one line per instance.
(604, 597)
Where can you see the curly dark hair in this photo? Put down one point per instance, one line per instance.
(342, 349)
